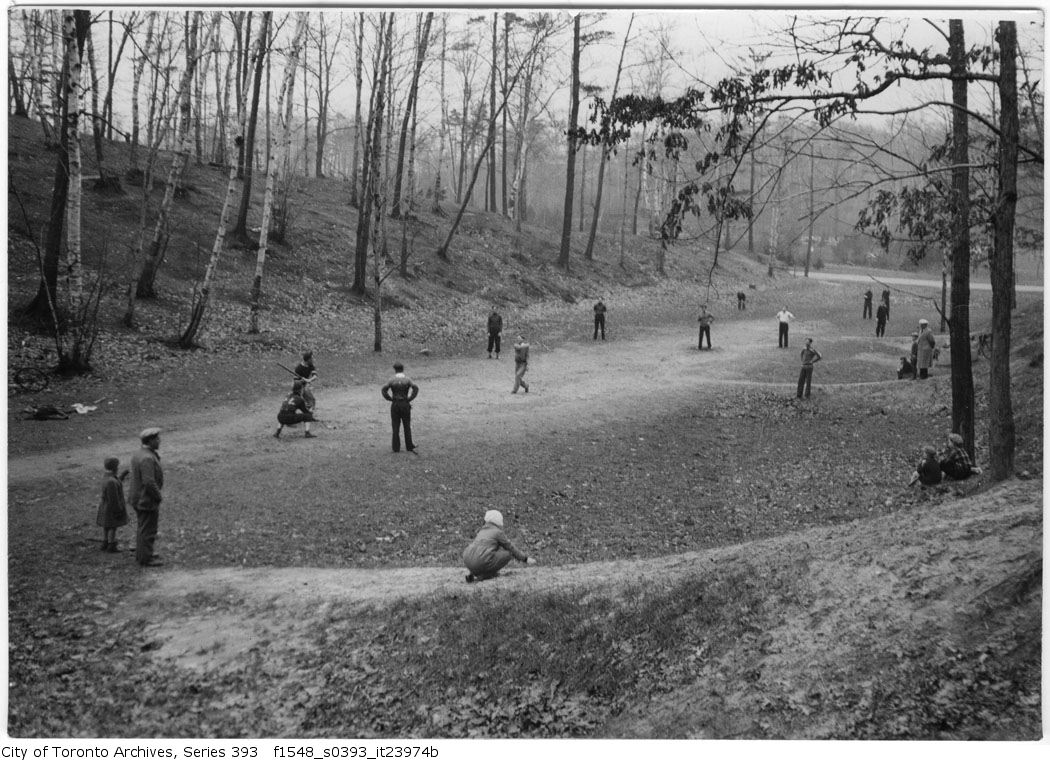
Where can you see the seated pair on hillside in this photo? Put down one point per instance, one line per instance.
(953, 462)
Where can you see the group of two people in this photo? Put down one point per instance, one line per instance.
(882, 314)
(953, 461)
(144, 494)
(923, 353)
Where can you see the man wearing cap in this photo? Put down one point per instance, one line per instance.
(400, 391)
(927, 343)
(147, 480)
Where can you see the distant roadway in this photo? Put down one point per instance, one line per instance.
(974, 285)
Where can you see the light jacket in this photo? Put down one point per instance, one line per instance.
(479, 556)
(927, 343)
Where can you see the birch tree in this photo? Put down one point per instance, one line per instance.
(284, 143)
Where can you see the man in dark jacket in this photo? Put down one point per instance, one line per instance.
(495, 328)
(147, 480)
(599, 319)
(881, 315)
(400, 391)
(867, 305)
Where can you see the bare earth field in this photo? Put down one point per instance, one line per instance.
(637, 469)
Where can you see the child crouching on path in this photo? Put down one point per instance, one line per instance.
(112, 509)
(491, 550)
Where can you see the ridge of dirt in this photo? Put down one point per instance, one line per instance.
(892, 572)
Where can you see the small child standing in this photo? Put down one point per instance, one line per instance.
(112, 509)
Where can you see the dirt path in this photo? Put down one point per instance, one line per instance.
(582, 381)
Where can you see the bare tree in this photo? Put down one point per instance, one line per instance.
(570, 159)
(151, 263)
(413, 90)
(1001, 432)
(589, 251)
(285, 102)
(240, 228)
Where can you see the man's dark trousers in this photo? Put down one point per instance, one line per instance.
(401, 414)
(805, 378)
(145, 535)
(599, 323)
(705, 330)
(494, 341)
(782, 337)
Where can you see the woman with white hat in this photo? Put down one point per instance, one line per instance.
(491, 550)
(927, 343)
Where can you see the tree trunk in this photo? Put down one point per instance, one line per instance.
(96, 121)
(643, 162)
(240, 228)
(1001, 433)
(588, 253)
(74, 357)
(133, 165)
(959, 324)
(285, 104)
(570, 161)
(421, 53)
(355, 200)
(583, 182)
(490, 200)
(809, 243)
(506, 75)
(443, 128)
(371, 154)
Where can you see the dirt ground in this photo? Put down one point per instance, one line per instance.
(865, 573)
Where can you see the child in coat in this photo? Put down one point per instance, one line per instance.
(491, 550)
(112, 509)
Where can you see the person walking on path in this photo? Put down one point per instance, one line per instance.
(784, 318)
(886, 301)
(144, 494)
(521, 364)
(295, 410)
(705, 327)
(491, 550)
(308, 373)
(400, 391)
(810, 357)
(882, 314)
(112, 508)
(599, 319)
(867, 305)
(927, 343)
(741, 300)
(495, 329)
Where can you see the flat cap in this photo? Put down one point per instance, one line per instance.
(149, 433)
(924, 321)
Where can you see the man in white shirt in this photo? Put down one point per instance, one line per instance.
(784, 317)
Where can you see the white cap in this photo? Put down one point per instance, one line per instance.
(494, 516)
